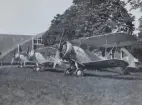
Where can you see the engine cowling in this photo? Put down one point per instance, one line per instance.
(17, 55)
(66, 50)
(31, 53)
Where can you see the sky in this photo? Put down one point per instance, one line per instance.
(29, 17)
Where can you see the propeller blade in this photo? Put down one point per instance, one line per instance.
(56, 59)
(20, 49)
(61, 39)
(14, 53)
(57, 56)
(12, 60)
(33, 44)
(28, 50)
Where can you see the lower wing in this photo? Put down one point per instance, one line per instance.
(106, 63)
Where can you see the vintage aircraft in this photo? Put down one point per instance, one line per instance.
(81, 59)
(39, 57)
(44, 57)
(20, 57)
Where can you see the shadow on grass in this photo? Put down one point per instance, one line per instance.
(118, 76)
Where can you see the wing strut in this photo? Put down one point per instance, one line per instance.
(111, 50)
(106, 47)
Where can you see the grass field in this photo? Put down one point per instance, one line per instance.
(22, 86)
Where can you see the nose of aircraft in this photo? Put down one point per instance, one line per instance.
(17, 55)
(31, 53)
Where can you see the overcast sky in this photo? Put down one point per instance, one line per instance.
(29, 16)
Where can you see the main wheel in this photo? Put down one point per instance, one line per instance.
(79, 73)
(67, 72)
(21, 66)
(37, 68)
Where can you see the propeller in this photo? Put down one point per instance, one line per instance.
(57, 55)
(16, 55)
(20, 49)
(13, 57)
(32, 52)
(28, 50)
(57, 59)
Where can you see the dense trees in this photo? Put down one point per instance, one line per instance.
(89, 17)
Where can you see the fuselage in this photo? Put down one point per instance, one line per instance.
(84, 56)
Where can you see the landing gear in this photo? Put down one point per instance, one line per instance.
(67, 72)
(125, 71)
(37, 68)
(79, 73)
(20, 64)
(74, 69)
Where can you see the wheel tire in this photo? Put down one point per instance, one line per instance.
(79, 73)
(37, 69)
(67, 72)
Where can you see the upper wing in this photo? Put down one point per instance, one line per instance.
(107, 40)
(106, 63)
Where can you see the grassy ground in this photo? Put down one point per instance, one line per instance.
(22, 86)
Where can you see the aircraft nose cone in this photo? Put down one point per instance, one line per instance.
(31, 53)
(17, 55)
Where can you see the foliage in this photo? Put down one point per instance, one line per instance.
(89, 17)
(136, 49)
(135, 4)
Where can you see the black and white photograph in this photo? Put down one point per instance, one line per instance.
(70, 52)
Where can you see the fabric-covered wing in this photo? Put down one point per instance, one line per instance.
(47, 51)
(106, 64)
(107, 40)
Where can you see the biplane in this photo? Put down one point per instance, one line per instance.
(44, 57)
(81, 59)
(20, 57)
(38, 57)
